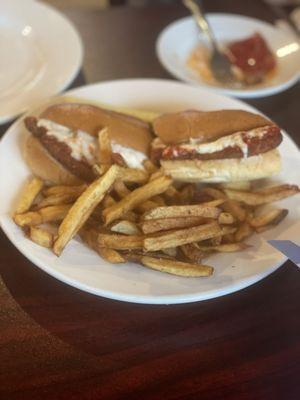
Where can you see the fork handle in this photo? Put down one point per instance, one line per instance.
(201, 21)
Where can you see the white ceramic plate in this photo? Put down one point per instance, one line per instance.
(82, 268)
(41, 53)
(177, 40)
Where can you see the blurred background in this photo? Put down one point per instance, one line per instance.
(100, 4)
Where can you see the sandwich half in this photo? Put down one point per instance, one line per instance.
(62, 145)
(216, 146)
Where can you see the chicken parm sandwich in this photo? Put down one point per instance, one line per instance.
(63, 143)
(216, 146)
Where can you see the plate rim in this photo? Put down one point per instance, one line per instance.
(160, 300)
(242, 94)
(129, 298)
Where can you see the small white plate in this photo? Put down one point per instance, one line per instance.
(178, 39)
(41, 53)
(80, 267)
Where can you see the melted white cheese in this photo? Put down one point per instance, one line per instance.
(82, 144)
(133, 158)
(234, 140)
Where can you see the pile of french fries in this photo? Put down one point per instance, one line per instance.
(144, 217)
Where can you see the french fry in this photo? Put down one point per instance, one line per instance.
(182, 236)
(146, 206)
(134, 175)
(226, 236)
(29, 194)
(121, 189)
(47, 214)
(135, 198)
(230, 206)
(108, 201)
(226, 219)
(125, 227)
(272, 218)
(120, 242)
(129, 175)
(249, 198)
(110, 255)
(40, 236)
(100, 170)
(62, 190)
(192, 252)
(241, 185)
(155, 175)
(215, 241)
(276, 189)
(256, 199)
(235, 209)
(28, 218)
(213, 192)
(176, 267)
(206, 210)
(225, 248)
(104, 147)
(164, 224)
(243, 232)
(149, 166)
(83, 208)
(261, 229)
(136, 255)
(89, 236)
(227, 230)
(171, 252)
(57, 199)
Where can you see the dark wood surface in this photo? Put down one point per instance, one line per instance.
(59, 343)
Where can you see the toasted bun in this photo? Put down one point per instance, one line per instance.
(126, 130)
(43, 165)
(226, 170)
(205, 126)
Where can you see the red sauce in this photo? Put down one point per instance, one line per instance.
(253, 57)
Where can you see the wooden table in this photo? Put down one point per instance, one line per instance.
(59, 343)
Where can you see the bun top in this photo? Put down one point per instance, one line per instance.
(208, 126)
(126, 130)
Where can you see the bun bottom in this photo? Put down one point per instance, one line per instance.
(44, 166)
(225, 170)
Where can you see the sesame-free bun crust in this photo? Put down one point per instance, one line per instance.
(224, 170)
(44, 166)
(124, 129)
(175, 128)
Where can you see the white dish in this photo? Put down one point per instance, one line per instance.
(80, 267)
(177, 40)
(41, 53)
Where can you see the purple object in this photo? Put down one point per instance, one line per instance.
(288, 248)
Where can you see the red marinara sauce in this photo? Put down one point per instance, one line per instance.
(253, 57)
